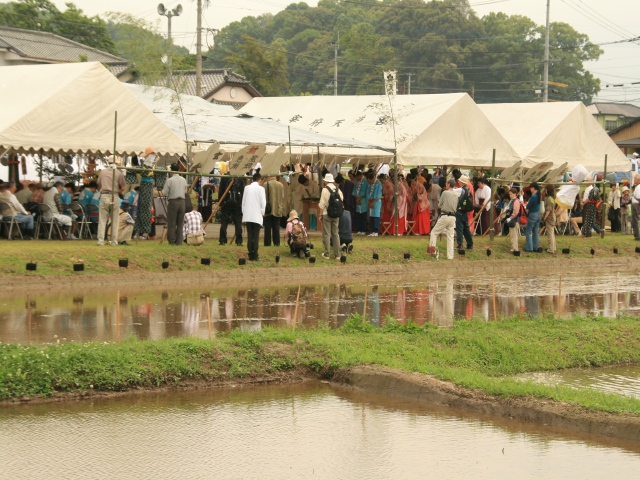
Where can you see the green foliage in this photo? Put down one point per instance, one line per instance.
(391, 325)
(356, 323)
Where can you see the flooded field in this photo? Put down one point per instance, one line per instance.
(205, 310)
(306, 430)
(624, 380)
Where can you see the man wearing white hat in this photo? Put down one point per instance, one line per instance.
(330, 217)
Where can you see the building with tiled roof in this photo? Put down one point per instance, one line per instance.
(218, 86)
(24, 47)
(613, 115)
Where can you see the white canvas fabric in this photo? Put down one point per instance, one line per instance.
(71, 108)
(447, 129)
(556, 132)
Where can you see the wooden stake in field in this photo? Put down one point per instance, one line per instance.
(615, 298)
(493, 292)
(295, 313)
(118, 315)
(364, 310)
(209, 314)
(217, 205)
(29, 316)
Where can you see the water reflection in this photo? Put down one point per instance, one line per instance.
(205, 311)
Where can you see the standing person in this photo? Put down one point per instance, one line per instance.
(145, 196)
(614, 207)
(421, 210)
(346, 187)
(374, 202)
(465, 206)
(635, 207)
(447, 221)
(231, 208)
(175, 189)
(549, 218)
(275, 197)
(110, 184)
(533, 220)
(589, 211)
(434, 190)
(511, 218)
(360, 189)
(330, 234)
(483, 201)
(625, 207)
(254, 202)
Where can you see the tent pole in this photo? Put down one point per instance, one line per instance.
(395, 187)
(113, 182)
(491, 202)
(604, 203)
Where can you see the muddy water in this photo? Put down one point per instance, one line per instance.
(296, 431)
(158, 314)
(624, 380)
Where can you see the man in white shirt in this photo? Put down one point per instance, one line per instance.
(175, 189)
(635, 207)
(254, 201)
(482, 201)
(18, 212)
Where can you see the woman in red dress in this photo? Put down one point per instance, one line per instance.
(421, 208)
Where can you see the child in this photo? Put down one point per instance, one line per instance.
(297, 236)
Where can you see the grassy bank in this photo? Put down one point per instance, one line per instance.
(55, 258)
(472, 354)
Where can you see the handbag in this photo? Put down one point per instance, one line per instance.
(513, 222)
(196, 238)
(267, 208)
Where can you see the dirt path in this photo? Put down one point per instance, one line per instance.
(425, 388)
(319, 274)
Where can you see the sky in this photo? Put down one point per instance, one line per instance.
(603, 21)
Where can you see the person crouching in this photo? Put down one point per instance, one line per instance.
(296, 236)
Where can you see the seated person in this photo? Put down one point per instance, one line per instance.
(125, 224)
(192, 220)
(562, 217)
(344, 231)
(576, 217)
(296, 236)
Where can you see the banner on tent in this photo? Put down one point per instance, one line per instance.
(272, 162)
(244, 160)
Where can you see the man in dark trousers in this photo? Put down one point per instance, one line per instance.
(175, 189)
(253, 205)
(231, 208)
(274, 192)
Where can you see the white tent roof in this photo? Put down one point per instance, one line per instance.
(556, 132)
(194, 119)
(446, 129)
(71, 108)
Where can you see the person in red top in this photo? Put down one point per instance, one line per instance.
(421, 207)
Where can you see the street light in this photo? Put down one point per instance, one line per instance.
(169, 13)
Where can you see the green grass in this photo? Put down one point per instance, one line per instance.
(473, 354)
(55, 258)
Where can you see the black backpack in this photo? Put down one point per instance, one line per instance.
(335, 206)
(465, 202)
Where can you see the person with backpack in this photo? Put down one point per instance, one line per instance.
(231, 208)
(465, 205)
(296, 236)
(332, 206)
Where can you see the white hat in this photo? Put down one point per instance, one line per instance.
(635, 154)
(328, 178)
(464, 179)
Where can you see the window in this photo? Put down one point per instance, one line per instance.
(610, 124)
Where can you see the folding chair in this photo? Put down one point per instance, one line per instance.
(94, 213)
(81, 220)
(411, 224)
(5, 212)
(45, 211)
(384, 228)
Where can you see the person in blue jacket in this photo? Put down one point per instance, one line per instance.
(374, 201)
(360, 190)
(533, 219)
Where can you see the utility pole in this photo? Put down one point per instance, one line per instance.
(335, 65)
(545, 97)
(199, 51)
(409, 86)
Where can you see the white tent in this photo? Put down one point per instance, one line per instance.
(66, 108)
(446, 129)
(556, 132)
(194, 119)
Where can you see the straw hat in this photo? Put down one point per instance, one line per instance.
(625, 189)
(148, 151)
(328, 178)
(292, 216)
(464, 179)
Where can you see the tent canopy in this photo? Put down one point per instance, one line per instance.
(194, 119)
(447, 129)
(556, 132)
(67, 108)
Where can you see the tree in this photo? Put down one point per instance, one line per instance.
(265, 66)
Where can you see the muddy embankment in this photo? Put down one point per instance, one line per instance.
(425, 388)
(259, 276)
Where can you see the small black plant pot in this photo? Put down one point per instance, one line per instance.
(488, 252)
(343, 259)
(615, 250)
(242, 261)
(407, 256)
(205, 261)
(277, 259)
(637, 249)
(123, 263)
(78, 267)
(165, 265)
(539, 250)
(32, 267)
(312, 259)
(461, 251)
(375, 256)
(566, 251)
(516, 253)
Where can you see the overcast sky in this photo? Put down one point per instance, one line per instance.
(603, 21)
